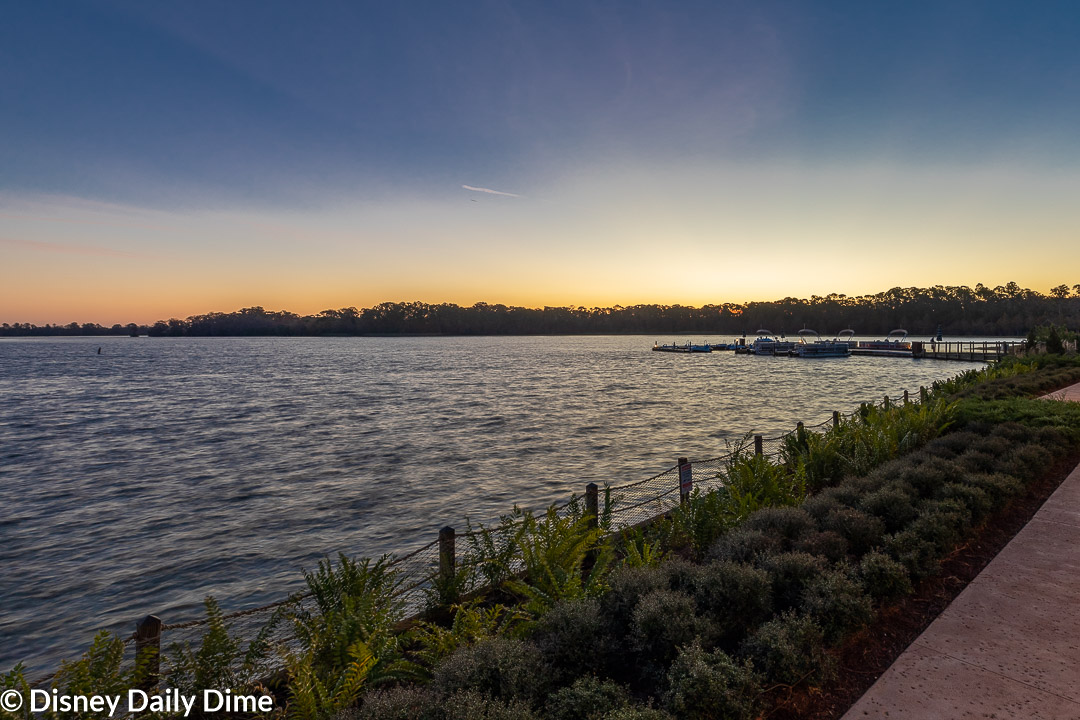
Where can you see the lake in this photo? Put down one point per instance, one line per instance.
(162, 470)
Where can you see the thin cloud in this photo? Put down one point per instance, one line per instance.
(72, 249)
(490, 191)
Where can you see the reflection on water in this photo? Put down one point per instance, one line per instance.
(163, 470)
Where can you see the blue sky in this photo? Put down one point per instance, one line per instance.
(632, 138)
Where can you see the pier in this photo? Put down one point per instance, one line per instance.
(985, 351)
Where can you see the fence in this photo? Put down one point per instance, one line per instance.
(622, 506)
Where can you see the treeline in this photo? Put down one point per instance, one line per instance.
(958, 310)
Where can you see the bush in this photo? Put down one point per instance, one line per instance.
(891, 505)
(663, 621)
(736, 597)
(790, 573)
(862, 531)
(885, 579)
(979, 461)
(790, 650)
(828, 544)
(637, 712)
(787, 523)
(681, 574)
(1026, 462)
(711, 686)
(587, 699)
(573, 638)
(505, 668)
(626, 587)
(999, 488)
(416, 703)
(744, 545)
(942, 523)
(838, 603)
(976, 501)
(917, 554)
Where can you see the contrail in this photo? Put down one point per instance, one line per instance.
(489, 191)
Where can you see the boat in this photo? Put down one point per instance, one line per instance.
(685, 348)
(724, 346)
(768, 344)
(812, 346)
(894, 345)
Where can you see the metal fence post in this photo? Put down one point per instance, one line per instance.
(836, 418)
(686, 480)
(147, 652)
(447, 556)
(757, 445)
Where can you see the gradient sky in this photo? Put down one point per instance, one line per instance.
(167, 159)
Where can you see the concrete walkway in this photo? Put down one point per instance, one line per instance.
(1009, 645)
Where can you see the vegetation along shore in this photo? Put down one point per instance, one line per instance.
(960, 310)
(752, 599)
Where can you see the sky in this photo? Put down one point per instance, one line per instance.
(170, 159)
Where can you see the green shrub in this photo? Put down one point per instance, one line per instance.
(626, 587)
(838, 604)
(884, 578)
(790, 573)
(1025, 462)
(711, 686)
(637, 712)
(504, 668)
(417, 703)
(977, 502)
(703, 518)
(219, 663)
(787, 523)
(744, 545)
(574, 639)
(862, 531)
(554, 550)
(974, 460)
(891, 505)
(681, 574)
(918, 555)
(587, 699)
(662, 622)
(999, 488)
(790, 650)
(737, 597)
(827, 544)
(942, 523)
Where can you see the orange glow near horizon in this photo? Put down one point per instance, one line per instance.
(663, 235)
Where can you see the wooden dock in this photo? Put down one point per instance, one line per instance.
(985, 351)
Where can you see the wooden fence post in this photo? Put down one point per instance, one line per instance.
(758, 445)
(147, 652)
(686, 480)
(592, 504)
(887, 405)
(447, 555)
(836, 418)
(905, 397)
(592, 515)
(923, 395)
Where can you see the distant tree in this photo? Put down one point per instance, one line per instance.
(1061, 291)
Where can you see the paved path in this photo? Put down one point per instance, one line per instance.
(1009, 645)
